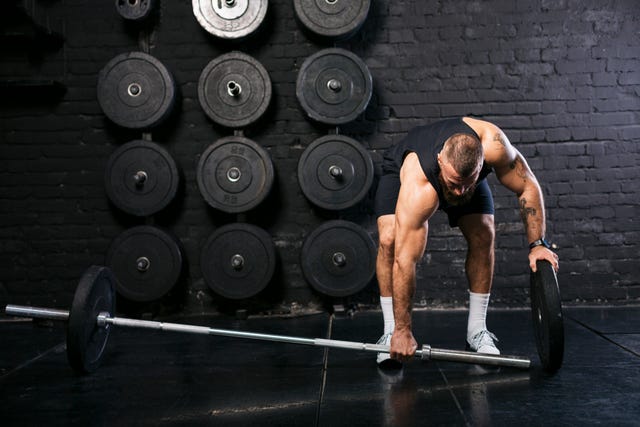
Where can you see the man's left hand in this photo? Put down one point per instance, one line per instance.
(542, 253)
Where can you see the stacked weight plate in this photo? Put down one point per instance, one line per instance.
(146, 261)
(238, 260)
(135, 10)
(136, 91)
(338, 258)
(332, 19)
(235, 174)
(230, 19)
(141, 178)
(334, 87)
(234, 90)
(335, 172)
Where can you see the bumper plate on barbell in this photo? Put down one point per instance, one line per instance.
(136, 91)
(141, 178)
(230, 19)
(234, 90)
(134, 10)
(338, 258)
(334, 86)
(332, 19)
(146, 261)
(238, 260)
(235, 174)
(86, 341)
(335, 172)
(546, 311)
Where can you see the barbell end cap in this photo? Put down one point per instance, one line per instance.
(102, 319)
(426, 352)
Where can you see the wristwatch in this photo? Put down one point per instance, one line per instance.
(539, 242)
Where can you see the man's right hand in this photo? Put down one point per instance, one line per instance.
(403, 345)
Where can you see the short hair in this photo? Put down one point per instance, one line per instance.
(464, 152)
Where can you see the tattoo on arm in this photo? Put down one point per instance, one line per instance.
(499, 137)
(526, 212)
(519, 167)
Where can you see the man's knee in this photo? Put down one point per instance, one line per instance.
(386, 235)
(480, 231)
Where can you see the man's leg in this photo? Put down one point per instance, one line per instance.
(479, 231)
(384, 273)
(384, 260)
(384, 268)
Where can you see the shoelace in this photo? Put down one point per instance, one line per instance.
(383, 339)
(478, 339)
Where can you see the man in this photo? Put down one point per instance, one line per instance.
(444, 166)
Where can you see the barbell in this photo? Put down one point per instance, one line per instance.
(92, 316)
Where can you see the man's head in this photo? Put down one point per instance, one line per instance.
(460, 163)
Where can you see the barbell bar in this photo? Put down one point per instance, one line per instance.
(427, 352)
(92, 315)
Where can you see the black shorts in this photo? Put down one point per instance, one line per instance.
(389, 187)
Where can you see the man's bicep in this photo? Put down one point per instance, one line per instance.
(415, 206)
(516, 175)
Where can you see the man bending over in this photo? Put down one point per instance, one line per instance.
(444, 166)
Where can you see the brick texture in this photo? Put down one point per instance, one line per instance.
(559, 77)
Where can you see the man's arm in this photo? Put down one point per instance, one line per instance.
(417, 201)
(514, 173)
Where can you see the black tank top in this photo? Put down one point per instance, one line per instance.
(427, 141)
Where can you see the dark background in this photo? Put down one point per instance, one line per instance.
(560, 77)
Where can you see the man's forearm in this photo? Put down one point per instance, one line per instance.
(404, 285)
(532, 212)
(530, 200)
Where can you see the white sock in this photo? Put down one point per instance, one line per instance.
(387, 314)
(478, 304)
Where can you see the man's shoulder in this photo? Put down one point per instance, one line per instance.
(481, 127)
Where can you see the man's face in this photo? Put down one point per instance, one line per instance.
(456, 189)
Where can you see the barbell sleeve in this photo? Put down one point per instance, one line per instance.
(36, 312)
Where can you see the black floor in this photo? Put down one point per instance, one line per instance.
(162, 378)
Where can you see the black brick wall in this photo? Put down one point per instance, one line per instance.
(560, 77)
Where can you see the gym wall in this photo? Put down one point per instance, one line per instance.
(559, 77)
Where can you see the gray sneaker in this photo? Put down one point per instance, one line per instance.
(483, 342)
(383, 359)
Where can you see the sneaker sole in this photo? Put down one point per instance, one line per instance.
(467, 347)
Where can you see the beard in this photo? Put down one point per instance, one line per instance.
(453, 199)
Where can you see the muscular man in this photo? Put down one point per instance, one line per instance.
(444, 166)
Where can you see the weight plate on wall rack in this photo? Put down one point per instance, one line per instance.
(146, 261)
(332, 19)
(230, 19)
(234, 90)
(335, 172)
(338, 258)
(136, 91)
(141, 178)
(238, 260)
(334, 86)
(135, 10)
(235, 174)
